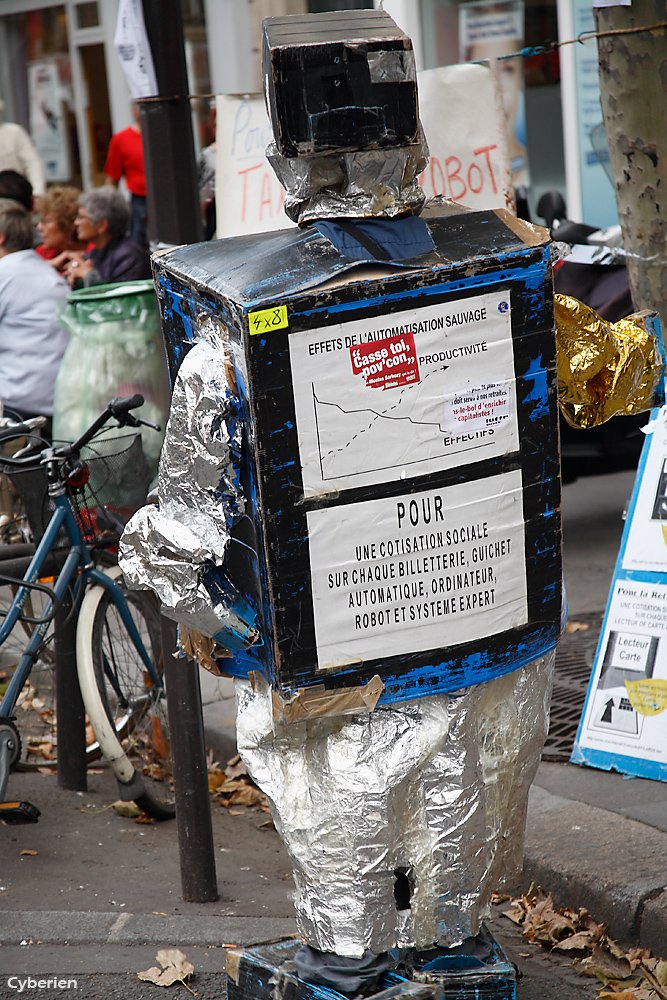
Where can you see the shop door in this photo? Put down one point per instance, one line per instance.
(98, 115)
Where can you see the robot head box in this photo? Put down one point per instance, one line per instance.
(338, 82)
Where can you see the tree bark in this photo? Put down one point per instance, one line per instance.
(633, 94)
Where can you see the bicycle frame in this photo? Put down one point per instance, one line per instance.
(78, 557)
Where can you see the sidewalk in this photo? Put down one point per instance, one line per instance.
(594, 839)
(102, 892)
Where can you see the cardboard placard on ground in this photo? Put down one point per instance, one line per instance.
(622, 726)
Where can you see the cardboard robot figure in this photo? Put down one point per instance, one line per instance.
(359, 500)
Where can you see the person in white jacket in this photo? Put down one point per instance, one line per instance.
(17, 152)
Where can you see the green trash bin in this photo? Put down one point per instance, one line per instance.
(115, 349)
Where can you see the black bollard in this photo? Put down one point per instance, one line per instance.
(70, 713)
(188, 757)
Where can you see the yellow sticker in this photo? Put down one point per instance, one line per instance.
(648, 696)
(265, 320)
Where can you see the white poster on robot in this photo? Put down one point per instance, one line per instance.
(628, 690)
(406, 394)
(646, 547)
(422, 571)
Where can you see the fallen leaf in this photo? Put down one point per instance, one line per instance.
(236, 812)
(577, 942)
(144, 818)
(653, 981)
(236, 770)
(32, 853)
(660, 971)
(576, 627)
(215, 779)
(129, 809)
(245, 796)
(622, 995)
(175, 969)
(603, 963)
(517, 915)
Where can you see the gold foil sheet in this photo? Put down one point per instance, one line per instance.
(604, 369)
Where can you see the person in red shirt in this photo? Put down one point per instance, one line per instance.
(125, 158)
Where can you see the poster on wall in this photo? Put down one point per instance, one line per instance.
(494, 29)
(623, 723)
(420, 391)
(47, 121)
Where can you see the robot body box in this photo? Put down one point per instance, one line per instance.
(401, 462)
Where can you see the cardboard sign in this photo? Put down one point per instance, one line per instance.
(248, 196)
(623, 726)
(461, 112)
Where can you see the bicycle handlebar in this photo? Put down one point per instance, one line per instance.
(16, 431)
(117, 407)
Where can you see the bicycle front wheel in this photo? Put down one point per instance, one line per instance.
(126, 707)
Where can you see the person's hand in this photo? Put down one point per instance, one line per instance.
(60, 260)
(77, 267)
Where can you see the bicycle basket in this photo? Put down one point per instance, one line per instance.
(117, 487)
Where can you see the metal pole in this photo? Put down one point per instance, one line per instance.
(188, 758)
(174, 214)
(70, 713)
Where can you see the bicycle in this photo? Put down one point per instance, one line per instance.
(117, 638)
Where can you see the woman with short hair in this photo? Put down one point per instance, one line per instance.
(102, 220)
(58, 209)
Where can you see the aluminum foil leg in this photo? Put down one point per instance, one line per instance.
(435, 789)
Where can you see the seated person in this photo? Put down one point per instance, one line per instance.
(15, 185)
(102, 220)
(31, 341)
(58, 210)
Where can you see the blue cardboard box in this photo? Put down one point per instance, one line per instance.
(400, 455)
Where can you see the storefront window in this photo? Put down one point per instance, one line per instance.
(36, 81)
(459, 30)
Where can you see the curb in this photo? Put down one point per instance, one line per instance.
(613, 866)
(78, 928)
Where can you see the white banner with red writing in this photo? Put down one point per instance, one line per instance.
(462, 114)
(461, 111)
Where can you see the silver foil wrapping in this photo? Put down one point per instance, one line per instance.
(360, 184)
(168, 549)
(436, 788)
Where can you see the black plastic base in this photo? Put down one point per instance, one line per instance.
(15, 813)
(267, 972)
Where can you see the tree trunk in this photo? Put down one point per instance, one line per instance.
(633, 93)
